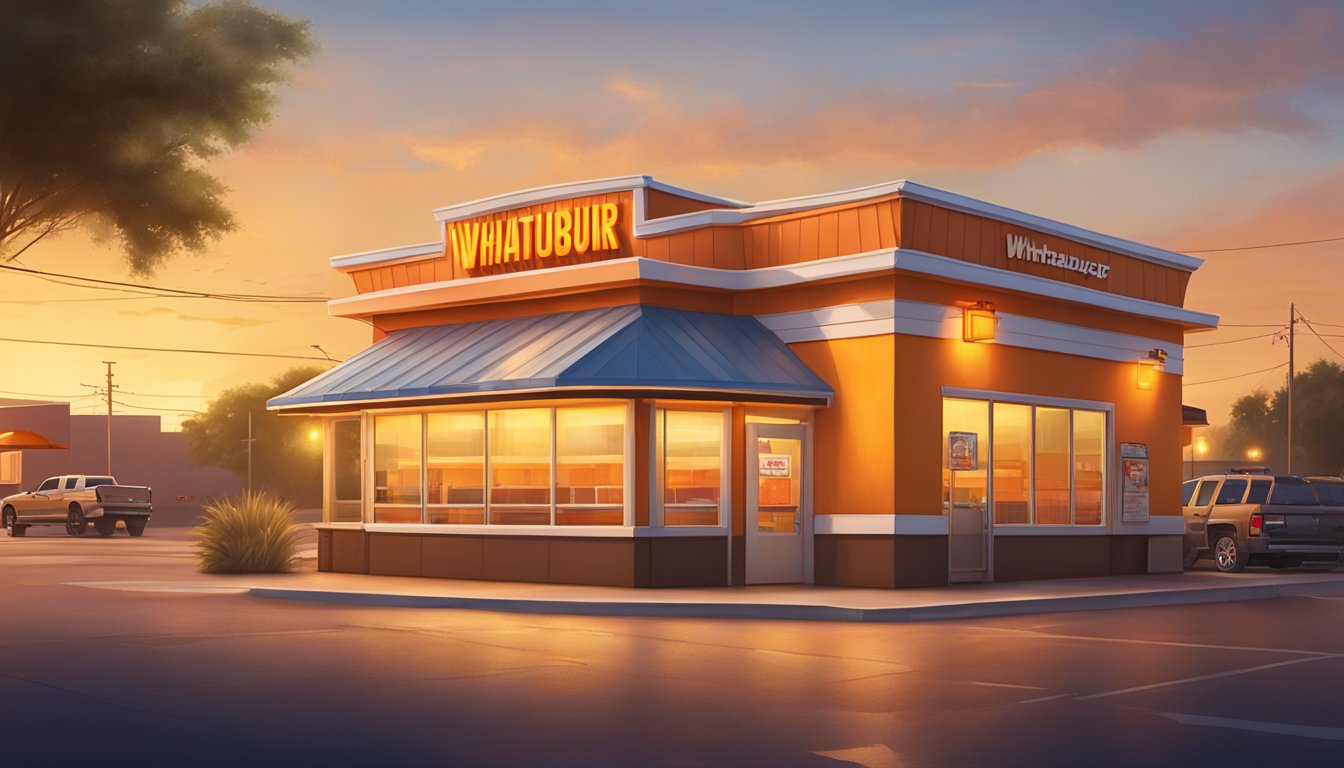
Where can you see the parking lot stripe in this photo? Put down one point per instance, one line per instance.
(1214, 676)
(1283, 729)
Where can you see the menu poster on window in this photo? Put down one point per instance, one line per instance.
(963, 451)
(776, 465)
(1134, 479)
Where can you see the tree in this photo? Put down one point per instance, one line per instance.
(108, 110)
(1259, 420)
(285, 458)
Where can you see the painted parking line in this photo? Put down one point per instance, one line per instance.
(1040, 699)
(1167, 643)
(1200, 678)
(1282, 729)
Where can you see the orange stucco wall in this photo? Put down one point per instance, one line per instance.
(925, 365)
(852, 453)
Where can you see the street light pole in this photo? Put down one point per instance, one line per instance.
(249, 442)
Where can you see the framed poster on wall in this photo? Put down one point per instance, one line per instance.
(1134, 482)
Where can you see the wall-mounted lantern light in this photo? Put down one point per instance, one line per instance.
(1149, 366)
(978, 322)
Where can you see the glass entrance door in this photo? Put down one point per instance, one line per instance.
(778, 503)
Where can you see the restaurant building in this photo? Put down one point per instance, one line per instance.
(621, 382)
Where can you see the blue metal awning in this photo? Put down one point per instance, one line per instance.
(633, 348)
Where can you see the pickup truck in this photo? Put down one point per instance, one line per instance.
(1260, 519)
(77, 500)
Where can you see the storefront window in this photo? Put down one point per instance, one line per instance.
(965, 454)
(1089, 466)
(347, 506)
(455, 467)
(590, 465)
(1052, 466)
(691, 458)
(396, 468)
(1012, 464)
(520, 467)
(1048, 464)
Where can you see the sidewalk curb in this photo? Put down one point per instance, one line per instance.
(804, 612)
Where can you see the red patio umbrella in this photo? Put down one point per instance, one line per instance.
(26, 440)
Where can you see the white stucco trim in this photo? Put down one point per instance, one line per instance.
(520, 285)
(550, 193)
(386, 256)
(880, 525)
(563, 531)
(917, 318)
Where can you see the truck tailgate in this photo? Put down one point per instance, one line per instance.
(1304, 525)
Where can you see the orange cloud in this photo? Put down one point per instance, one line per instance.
(1227, 78)
(166, 313)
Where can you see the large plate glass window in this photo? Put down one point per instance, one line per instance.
(396, 468)
(346, 464)
(691, 466)
(455, 467)
(590, 465)
(520, 467)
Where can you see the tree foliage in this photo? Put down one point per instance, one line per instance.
(1259, 420)
(108, 109)
(285, 459)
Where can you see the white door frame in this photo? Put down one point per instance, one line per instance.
(802, 432)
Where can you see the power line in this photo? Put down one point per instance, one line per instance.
(1231, 341)
(58, 397)
(1237, 376)
(141, 288)
(165, 349)
(1321, 339)
(146, 394)
(148, 408)
(1261, 247)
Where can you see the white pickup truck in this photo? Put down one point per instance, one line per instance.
(77, 500)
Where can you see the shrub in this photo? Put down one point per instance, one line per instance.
(252, 533)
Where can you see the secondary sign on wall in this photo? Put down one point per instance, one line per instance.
(1024, 248)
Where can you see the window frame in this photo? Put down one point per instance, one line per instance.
(657, 512)
(369, 417)
(1110, 500)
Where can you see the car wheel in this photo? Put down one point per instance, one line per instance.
(106, 526)
(1228, 555)
(1191, 558)
(135, 527)
(7, 520)
(75, 524)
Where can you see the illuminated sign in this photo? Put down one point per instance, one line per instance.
(576, 230)
(1024, 248)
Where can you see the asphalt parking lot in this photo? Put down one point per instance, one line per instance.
(120, 676)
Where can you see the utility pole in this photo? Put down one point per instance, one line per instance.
(109, 365)
(107, 390)
(1292, 324)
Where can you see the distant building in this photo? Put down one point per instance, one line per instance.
(142, 454)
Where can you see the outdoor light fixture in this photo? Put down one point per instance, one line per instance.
(314, 434)
(1149, 366)
(978, 322)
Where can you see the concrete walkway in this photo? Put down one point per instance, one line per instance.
(784, 602)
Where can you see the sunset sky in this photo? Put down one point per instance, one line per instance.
(1191, 125)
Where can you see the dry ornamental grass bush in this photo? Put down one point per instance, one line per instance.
(253, 533)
